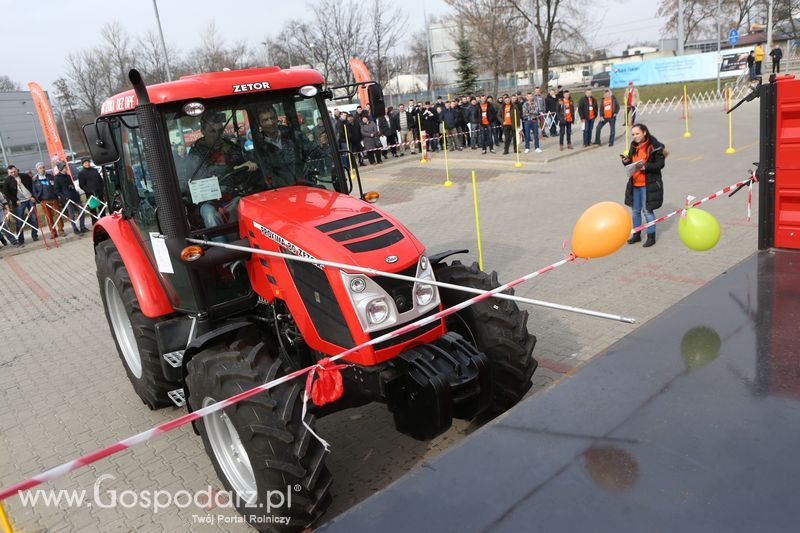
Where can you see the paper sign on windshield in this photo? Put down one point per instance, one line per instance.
(204, 190)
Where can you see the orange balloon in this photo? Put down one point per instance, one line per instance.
(601, 230)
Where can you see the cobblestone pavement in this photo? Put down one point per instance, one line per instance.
(64, 392)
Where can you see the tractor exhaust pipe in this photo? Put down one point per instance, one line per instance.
(171, 220)
(138, 86)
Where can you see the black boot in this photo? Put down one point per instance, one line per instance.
(651, 240)
(637, 237)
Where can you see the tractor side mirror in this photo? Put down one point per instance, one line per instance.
(101, 143)
(376, 103)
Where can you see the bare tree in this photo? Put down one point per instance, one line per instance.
(85, 72)
(7, 84)
(699, 18)
(387, 25)
(214, 54)
(67, 102)
(150, 58)
(117, 55)
(489, 24)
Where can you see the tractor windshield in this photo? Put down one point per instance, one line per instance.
(240, 148)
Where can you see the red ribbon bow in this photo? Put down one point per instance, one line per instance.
(328, 386)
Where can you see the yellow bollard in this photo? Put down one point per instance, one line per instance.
(423, 158)
(4, 521)
(447, 182)
(730, 149)
(477, 220)
(349, 153)
(686, 112)
(516, 139)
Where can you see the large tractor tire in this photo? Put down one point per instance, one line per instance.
(259, 446)
(134, 334)
(496, 327)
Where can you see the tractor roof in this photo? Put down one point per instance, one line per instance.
(216, 84)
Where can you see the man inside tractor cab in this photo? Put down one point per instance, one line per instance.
(284, 151)
(214, 156)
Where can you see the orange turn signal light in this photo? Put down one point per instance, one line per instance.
(371, 197)
(191, 253)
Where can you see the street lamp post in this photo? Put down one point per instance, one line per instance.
(36, 134)
(64, 123)
(163, 42)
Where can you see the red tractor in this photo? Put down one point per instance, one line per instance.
(252, 158)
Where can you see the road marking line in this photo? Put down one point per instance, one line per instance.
(27, 279)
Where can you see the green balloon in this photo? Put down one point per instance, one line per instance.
(699, 347)
(698, 230)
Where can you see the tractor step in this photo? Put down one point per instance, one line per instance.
(177, 396)
(175, 359)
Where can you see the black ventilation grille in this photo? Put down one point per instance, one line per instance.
(348, 221)
(399, 290)
(376, 243)
(321, 303)
(361, 231)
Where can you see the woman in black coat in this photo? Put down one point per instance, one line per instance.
(645, 189)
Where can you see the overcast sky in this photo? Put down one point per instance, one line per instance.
(39, 34)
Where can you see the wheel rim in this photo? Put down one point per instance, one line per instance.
(123, 329)
(230, 453)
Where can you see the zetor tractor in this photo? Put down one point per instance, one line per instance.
(251, 158)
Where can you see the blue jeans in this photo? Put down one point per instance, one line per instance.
(639, 203)
(587, 131)
(565, 127)
(209, 211)
(527, 126)
(485, 134)
(612, 122)
(20, 212)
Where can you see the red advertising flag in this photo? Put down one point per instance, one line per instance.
(54, 147)
(360, 74)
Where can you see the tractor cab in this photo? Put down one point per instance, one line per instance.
(228, 135)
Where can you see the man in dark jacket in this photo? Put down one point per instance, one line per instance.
(44, 190)
(20, 200)
(352, 139)
(551, 108)
(645, 189)
(487, 117)
(69, 197)
(776, 54)
(430, 125)
(450, 119)
(472, 116)
(387, 129)
(91, 182)
(588, 110)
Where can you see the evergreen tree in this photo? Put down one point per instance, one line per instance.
(467, 70)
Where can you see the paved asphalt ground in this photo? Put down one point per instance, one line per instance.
(64, 393)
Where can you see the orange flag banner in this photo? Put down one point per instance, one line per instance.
(360, 74)
(54, 147)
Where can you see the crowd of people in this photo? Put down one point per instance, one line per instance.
(481, 122)
(54, 190)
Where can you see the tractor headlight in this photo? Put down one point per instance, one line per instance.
(358, 284)
(377, 311)
(423, 293)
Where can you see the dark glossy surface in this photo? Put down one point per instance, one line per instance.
(691, 423)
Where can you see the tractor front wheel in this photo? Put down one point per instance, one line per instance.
(269, 461)
(134, 333)
(496, 327)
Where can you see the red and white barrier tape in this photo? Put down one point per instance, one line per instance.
(694, 203)
(322, 366)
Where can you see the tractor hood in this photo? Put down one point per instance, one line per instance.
(330, 226)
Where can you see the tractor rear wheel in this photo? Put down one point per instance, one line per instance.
(134, 334)
(261, 450)
(496, 327)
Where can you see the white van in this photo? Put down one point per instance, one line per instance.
(570, 78)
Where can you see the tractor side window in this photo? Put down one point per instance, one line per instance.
(133, 178)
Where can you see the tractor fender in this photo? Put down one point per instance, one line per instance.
(150, 292)
(225, 333)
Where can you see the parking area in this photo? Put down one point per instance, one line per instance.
(64, 393)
